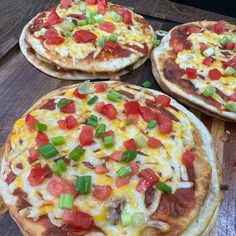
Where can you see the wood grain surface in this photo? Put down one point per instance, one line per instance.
(21, 85)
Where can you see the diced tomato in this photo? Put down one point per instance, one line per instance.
(34, 154)
(107, 26)
(207, 61)
(65, 3)
(131, 107)
(214, 74)
(102, 193)
(58, 185)
(163, 100)
(203, 47)
(126, 15)
(116, 155)
(220, 27)
(100, 87)
(101, 169)
(148, 179)
(30, 122)
(122, 181)
(188, 158)
(51, 36)
(41, 139)
(68, 123)
(130, 144)
(36, 176)
(109, 111)
(91, 2)
(99, 106)
(133, 118)
(165, 123)
(69, 108)
(84, 36)
(86, 135)
(191, 73)
(233, 97)
(53, 17)
(230, 46)
(77, 219)
(102, 6)
(193, 29)
(154, 143)
(134, 167)
(146, 113)
(78, 95)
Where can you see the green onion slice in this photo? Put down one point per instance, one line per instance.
(92, 100)
(141, 141)
(76, 153)
(83, 184)
(146, 84)
(124, 171)
(40, 127)
(113, 37)
(98, 18)
(66, 201)
(100, 130)
(114, 96)
(82, 6)
(116, 17)
(48, 151)
(129, 155)
(63, 102)
(102, 40)
(164, 187)
(152, 124)
(230, 106)
(229, 71)
(59, 167)
(81, 22)
(58, 140)
(92, 120)
(108, 141)
(209, 91)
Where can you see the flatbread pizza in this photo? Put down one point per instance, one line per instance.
(110, 158)
(196, 63)
(87, 39)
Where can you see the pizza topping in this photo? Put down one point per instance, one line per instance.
(109, 111)
(214, 74)
(188, 158)
(36, 176)
(92, 100)
(126, 16)
(116, 156)
(191, 73)
(10, 178)
(40, 127)
(149, 196)
(100, 130)
(220, 27)
(41, 139)
(33, 155)
(230, 106)
(209, 91)
(207, 61)
(51, 37)
(84, 36)
(107, 26)
(102, 6)
(66, 201)
(114, 96)
(100, 87)
(76, 153)
(92, 120)
(101, 169)
(49, 105)
(59, 167)
(164, 187)
(30, 121)
(48, 151)
(163, 100)
(130, 144)
(68, 123)
(131, 107)
(165, 124)
(86, 136)
(133, 219)
(83, 184)
(91, 2)
(152, 124)
(154, 143)
(102, 193)
(124, 171)
(141, 141)
(120, 182)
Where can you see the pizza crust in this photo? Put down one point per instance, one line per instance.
(158, 57)
(207, 171)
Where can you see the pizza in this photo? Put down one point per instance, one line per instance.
(196, 63)
(110, 158)
(87, 39)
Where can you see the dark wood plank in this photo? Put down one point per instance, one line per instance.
(172, 11)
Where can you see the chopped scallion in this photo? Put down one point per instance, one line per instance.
(63, 102)
(92, 120)
(152, 124)
(114, 96)
(108, 141)
(129, 155)
(123, 171)
(83, 184)
(40, 127)
(66, 201)
(100, 130)
(76, 153)
(58, 140)
(164, 187)
(48, 151)
(92, 100)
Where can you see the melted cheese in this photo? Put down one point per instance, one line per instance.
(165, 161)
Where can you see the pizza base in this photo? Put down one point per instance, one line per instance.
(207, 200)
(158, 57)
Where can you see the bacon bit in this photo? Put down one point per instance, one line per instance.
(22, 201)
(49, 105)
(48, 171)
(225, 137)
(127, 94)
(88, 165)
(115, 78)
(19, 166)
(10, 178)
(224, 187)
(149, 196)
(101, 169)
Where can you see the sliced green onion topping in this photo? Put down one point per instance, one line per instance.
(209, 91)
(98, 18)
(100, 130)
(66, 201)
(58, 140)
(113, 37)
(59, 167)
(66, 33)
(208, 52)
(92, 120)
(92, 100)
(40, 127)
(152, 124)
(102, 40)
(70, 26)
(146, 84)
(230, 106)
(123, 171)
(141, 141)
(108, 141)
(164, 187)
(48, 151)
(133, 219)
(116, 17)
(156, 42)
(83, 184)
(90, 16)
(229, 71)
(225, 40)
(76, 153)
(114, 96)
(63, 102)
(82, 6)
(81, 22)
(129, 155)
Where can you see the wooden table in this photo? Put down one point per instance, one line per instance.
(21, 85)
